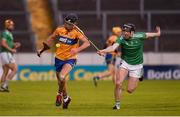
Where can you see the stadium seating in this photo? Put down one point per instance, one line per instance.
(89, 22)
(116, 20)
(9, 5)
(19, 19)
(118, 12)
(169, 43)
(161, 4)
(97, 38)
(166, 21)
(73, 5)
(114, 10)
(16, 10)
(117, 5)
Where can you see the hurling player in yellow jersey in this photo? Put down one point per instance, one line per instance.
(67, 47)
(110, 57)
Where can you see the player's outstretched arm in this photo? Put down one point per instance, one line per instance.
(155, 34)
(108, 49)
(46, 46)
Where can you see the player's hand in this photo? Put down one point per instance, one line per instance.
(13, 50)
(38, 53)
(101, 53)
(158, 30)
(17, 45)
(74, 51)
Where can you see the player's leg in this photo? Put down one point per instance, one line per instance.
(65, 89)
(108, 72)
(132, 84)
(63, 68)
(4, 60)
(13, 68)
(108, 59)
(4, 78)
(116, 64)
(59, 93)
(64, 72)
(120, 76)
(4, 74)
(61, 83)
(11, 65)
(59, 64)
(114, 75)
(134, 76)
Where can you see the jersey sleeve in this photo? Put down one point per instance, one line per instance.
(4, 35)
(119, 40)
(111, 40)
(141, 35)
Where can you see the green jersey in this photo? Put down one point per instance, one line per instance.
(7, 35)
(132, 49)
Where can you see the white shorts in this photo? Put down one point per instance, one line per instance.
(134, 70)
(6, 58)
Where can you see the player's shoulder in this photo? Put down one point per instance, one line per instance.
(60, 27)
(119, 39)
(77, 32)
(5, 32)
(111, 38)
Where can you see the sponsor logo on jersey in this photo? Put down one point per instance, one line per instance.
(67, 41)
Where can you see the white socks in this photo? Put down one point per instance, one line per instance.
(66, 99)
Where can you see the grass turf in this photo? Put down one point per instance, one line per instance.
(152, 97)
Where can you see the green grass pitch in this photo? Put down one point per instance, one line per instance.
(152, 97)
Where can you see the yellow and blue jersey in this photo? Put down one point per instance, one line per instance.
(110, 57)
(67, 40)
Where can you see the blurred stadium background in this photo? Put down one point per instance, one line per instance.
(36, 19)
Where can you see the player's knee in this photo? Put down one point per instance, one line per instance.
(118, 85)
(118, 81)
(14, 69)
(61, 81)
(61, 78)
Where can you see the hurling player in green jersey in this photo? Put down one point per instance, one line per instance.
(131, 44)
(8, 48)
